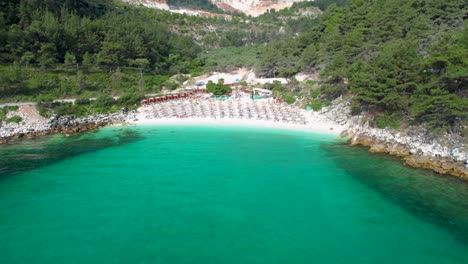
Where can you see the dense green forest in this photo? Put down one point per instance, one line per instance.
(400, 61)
(47, 32)
(84, 48)
(87, 48)
(404, 61)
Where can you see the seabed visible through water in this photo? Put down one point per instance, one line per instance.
(222, 195)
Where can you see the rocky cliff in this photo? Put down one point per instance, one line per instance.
(253, 7)
(33, 125)
(249, 7)
(444, 154)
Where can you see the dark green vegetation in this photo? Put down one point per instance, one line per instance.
(83, 48)
(84, 106)
(323, 4)
(59, 49)
(4, 111)
(402, 61)
(217, 88)
(405, 61)
(14, 119)
(195, 4)
(229, 58)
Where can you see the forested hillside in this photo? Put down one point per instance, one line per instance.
(84, 48)
(54, 31)
(400, 61)
(195, 4)
(405, 61)
(64, 48)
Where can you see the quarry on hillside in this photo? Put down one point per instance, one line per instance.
(248, 7)
(254, 7)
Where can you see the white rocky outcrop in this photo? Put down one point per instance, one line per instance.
(415, 139)
(33, 124)
(253, 7)
(30, 122)
(249, 7)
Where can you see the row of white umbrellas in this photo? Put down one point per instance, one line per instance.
(244, 109)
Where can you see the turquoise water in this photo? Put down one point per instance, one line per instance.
(222, 195)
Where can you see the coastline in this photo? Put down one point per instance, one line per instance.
(419, 151)
(317, 127)
(446, 154)
(32, 125)
(444, 165)
(336, 121)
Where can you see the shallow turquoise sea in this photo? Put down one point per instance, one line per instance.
(222, 195)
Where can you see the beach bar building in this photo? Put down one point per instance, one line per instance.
(262, 92)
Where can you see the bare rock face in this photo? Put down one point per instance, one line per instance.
(378, 148)
(437, 163)
(253, 7)
(445, 154)
(38, 126)
(158, 4)
(248, 7)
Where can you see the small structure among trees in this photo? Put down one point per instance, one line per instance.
(262, 92)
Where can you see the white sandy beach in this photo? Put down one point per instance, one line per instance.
(315, 123)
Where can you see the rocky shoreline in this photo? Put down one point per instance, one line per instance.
(412, 157)
(31, 127)
(447, 154)
(444, 154)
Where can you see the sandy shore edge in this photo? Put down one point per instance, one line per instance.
(314, 124)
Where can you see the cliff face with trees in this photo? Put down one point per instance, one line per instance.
(403, 61)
